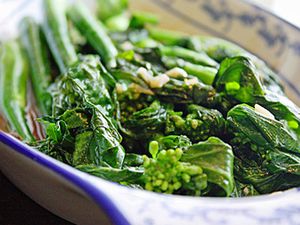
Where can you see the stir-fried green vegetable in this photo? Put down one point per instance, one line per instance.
(150, 108)
(13, 88)
(40, 68)
(56, 32)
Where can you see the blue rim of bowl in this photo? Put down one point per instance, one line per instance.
(102, 200)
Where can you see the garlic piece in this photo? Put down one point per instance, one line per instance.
(126, 46)
(120, 88)
(159, 81)
(264, 112)
(144, 74)
(177, 72)
(191, 82)
(139, 89)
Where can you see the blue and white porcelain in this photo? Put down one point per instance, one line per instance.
(88, 200)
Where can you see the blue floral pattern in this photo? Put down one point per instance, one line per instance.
(141, 208)
(272, 36)
(275, 41)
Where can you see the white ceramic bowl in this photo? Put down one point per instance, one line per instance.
(84, 199)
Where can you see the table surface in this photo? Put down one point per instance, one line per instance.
(18, 209)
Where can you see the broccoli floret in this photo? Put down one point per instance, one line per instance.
(165, 173)
(199, 124)
(173, 141)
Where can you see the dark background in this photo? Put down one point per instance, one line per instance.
(18, 209)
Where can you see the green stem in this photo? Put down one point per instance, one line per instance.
(189, 55)
(166, 36)
(204, 73)
(95, 33)
(56, 31)
(40, 68)
(13, 87)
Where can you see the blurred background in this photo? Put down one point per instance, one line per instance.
(287, 9)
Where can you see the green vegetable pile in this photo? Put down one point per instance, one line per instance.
(120, 99)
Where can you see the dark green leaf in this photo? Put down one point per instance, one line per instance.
(199, 124)
(216, 159)
(127, 175)
(237, 78)
(260, 130)
(173, 142)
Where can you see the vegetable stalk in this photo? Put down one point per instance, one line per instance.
(40, 68)
(13, 88)
(56, 31)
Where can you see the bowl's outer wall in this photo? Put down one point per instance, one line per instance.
(49, 189)
(34, 175)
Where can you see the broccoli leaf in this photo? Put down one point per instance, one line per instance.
(173, 142)
(147, 121)
(260, 130)
(216, 159)
(242, 190)
(99, 145)
(237, 78)
(181, 92)
(279, 161)
(219, 49)
(132, 159)
(82, 82)
(283, 109)
(267, 153)
(250, 172)
(199, 124)
(82, 104)
(130, 175)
